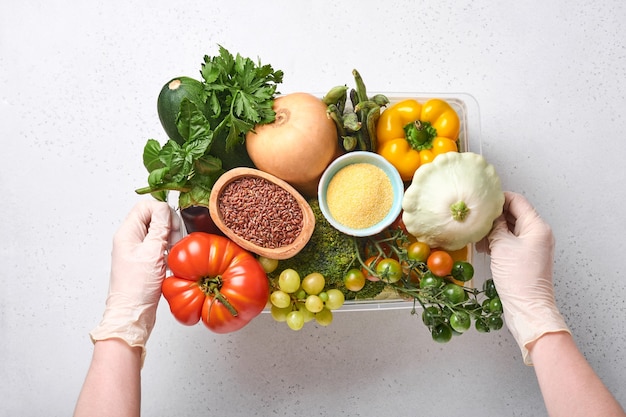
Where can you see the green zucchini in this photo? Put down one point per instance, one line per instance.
(170, 97)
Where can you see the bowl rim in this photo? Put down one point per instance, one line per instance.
(362, 157)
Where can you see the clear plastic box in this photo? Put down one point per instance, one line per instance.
(469, 140)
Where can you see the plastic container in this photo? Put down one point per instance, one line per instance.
(469, 141)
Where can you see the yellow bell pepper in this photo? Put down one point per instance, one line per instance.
(410, 134)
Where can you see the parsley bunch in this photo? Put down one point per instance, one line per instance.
(239, 92)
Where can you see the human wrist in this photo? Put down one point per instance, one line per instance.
(529, 322)
(125, 320)
(553, 339)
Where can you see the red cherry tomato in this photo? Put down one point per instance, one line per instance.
(440, 263)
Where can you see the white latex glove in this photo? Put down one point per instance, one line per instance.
(521, 245)
(137, 270)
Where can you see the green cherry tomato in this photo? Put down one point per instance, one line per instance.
(441, 333)
(495, 305)
(490, 289)
(462, 271)
(389, 270)
(429, 280)
(481, 325)
(431, 316)
(460, 321)
(454, 293)
(495, 322)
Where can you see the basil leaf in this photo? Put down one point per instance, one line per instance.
(191, 122)
(151, 158)
(155, 178)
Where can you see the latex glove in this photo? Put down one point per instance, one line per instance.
(521, 245)
(137, 270)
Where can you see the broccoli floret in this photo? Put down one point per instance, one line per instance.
(331, 253)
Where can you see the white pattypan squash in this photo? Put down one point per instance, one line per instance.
(453, 200)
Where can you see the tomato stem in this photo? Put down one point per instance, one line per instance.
(211, 286)
(218, 296)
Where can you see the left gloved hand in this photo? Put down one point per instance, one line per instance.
(137, 270)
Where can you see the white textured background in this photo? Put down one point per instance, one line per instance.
(78, 85)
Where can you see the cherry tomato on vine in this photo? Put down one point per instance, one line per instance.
(430, 280)
(431, 316)
(481, 325)
(495, 305)
(440, 263)
(384, 249)
(462, 271)
(454, 293)
(441, 333)
(371, 264)
(418, 251)
(389, 270)
(490, 289)
(495, 322)
(460, 321)
(354, 280)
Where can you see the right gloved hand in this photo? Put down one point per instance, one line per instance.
(521, 246)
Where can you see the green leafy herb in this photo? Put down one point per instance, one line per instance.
(238, 94)
(186, 168)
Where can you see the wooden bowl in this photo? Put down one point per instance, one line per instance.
(281, 252)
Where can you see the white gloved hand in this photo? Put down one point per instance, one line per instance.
(137, 270)
(521, 245)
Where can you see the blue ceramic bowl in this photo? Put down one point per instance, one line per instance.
(356, 157)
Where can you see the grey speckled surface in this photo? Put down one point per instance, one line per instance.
(77, 102)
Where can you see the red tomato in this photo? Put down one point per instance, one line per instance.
(371, 264)
(440, 263)
(214, 280)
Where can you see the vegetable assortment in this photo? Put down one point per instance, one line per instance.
(236, 117)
